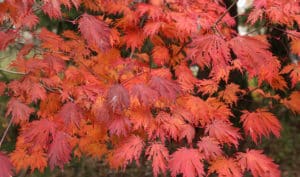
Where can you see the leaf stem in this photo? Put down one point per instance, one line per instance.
(6, 131)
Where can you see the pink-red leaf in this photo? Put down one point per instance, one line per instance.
(130, 149)
(152, 28)
(166, 88)
(224, 132)
(95, 31)
(159, 155)
(255, 57)
(209, 49)
(19, 111)
(6, 166)
(118, 98)
(100, 109)
(209, 147)
(258, 164)
(71, 114)
(145, 95)
(119, 125)
(59, 151)
(187, 162)
(39, 132)
(52, 8)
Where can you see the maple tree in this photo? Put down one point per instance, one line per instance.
(118, 84)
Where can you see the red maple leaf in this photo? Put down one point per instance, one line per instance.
(152, 28)
(118, 98)
(19, 111)
(71, 114)
(39, 132)
(100, 109)
(229, 95)
(186, 161)
(52, 8)
(95, 31)
(258, 163)
(260, 123)
(166, 88)
(160, 55)
(144, 94)
(159, 155)
(29, 19)
(255, 57)
(119, 125)
(50, 40)
(130, 149)
(6, 38)
(134, 38)
(209, 147)
(59, 151)
(224, 132)
(209, 49)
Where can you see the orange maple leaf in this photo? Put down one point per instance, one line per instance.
(260, 123)
(258, 163)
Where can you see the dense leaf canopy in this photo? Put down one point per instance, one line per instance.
(115, 83)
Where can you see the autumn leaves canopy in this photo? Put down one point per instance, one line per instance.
(118, 85)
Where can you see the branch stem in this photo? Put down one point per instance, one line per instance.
(223, 15)
(227, 11)
(11, 72)
(6, 131)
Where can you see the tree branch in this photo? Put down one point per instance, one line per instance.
(12, 72)
(6, 131)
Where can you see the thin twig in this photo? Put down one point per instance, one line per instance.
(182, 47)
(214, 27)
(55, 90)
(6, 131)
(284, 31)
(223, 15)
(12, 72)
